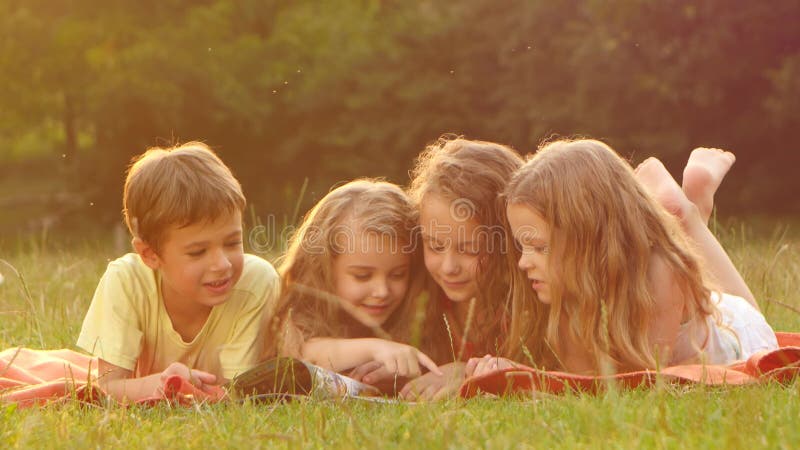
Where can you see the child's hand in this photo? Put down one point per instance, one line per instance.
(201, 380)
(375, 374)
(435, 387)
(489, 363)
(371, 373)
(402, 360)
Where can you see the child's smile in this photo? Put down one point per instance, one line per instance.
(200, 263)
(372, 276)
(219, 287)
(451, 247)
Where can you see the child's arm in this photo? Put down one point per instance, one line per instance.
(436, 387)
(479, 366)
(343, 354)
(117, 382)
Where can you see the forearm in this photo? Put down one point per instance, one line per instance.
(338, 354)
(132, 389)
(120, 384)
(432, 386)
(454, 370)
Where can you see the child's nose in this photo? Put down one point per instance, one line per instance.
(525, 262)
(221, 261)
(450, 264)
(381, 289)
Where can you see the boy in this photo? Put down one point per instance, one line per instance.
(189, 302)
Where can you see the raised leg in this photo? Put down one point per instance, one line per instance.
(702, 176)
(656, 179)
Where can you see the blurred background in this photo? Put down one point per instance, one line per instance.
(296, 93)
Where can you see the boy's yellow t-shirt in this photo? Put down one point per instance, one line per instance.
(127, 324)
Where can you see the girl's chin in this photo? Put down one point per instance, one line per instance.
(459, 297)
(372, 323)
(374, 317)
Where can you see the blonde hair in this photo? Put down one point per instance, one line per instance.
(475, 173)
(604, 230)
(360, 206)
(181, 185)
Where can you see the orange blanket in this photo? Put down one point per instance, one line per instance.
(34, 377)
(781, 365)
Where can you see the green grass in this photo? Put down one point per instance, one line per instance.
(61, 282)
(730, 418)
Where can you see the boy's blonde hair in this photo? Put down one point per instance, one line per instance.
(475, 173)
(181, 185)
(360, 206)
(604, 230)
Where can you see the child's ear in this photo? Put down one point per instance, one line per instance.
(147, 253)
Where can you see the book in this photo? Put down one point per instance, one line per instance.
(288, 377)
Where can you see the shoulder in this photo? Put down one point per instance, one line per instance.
(130, 263)
(660, 273)
(666, 287)
(130, 271)
(257, 270)
(259, 281)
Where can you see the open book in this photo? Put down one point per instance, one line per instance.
(285, 377)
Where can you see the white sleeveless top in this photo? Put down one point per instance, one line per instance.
(740, 332)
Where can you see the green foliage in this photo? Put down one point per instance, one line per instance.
(339, 89)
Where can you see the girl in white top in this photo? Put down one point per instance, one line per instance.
(740, 329)
(618, 273)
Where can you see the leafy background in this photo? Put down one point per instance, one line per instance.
(330, 90)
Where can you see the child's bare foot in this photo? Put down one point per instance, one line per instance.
(655, 178)
(703, 173)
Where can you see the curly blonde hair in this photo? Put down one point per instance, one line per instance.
(360, 206)
(458, 169)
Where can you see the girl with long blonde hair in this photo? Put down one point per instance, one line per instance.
(456, 184)
(620, 279)
(350, 280)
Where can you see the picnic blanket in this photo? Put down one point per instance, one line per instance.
(781, 365)
(34, 377)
